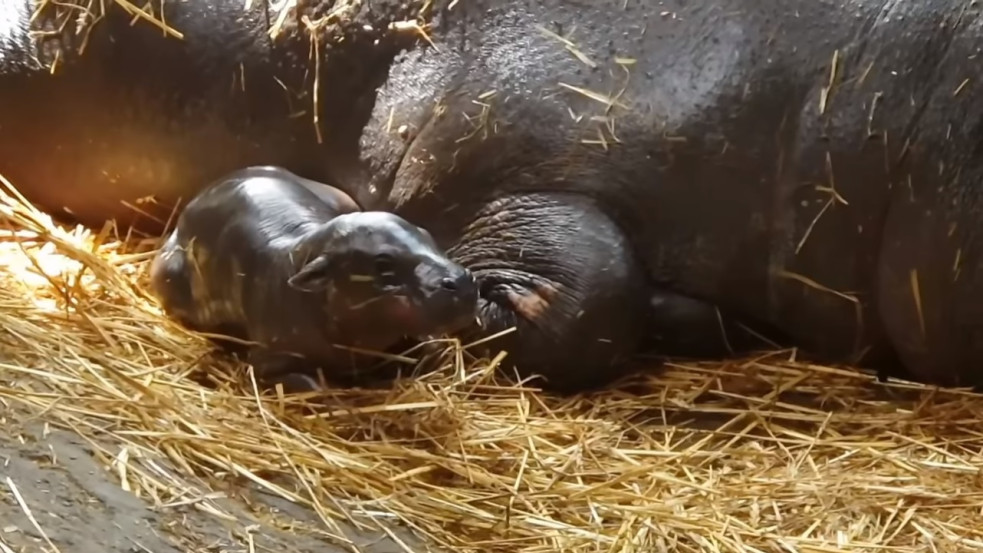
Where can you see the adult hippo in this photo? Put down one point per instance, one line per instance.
(806, 165)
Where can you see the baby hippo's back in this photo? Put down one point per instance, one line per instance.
(263, 204)
(240, 225)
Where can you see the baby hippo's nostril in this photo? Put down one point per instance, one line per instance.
(449, 284)
(460, 282)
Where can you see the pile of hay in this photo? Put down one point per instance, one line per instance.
(759, 455)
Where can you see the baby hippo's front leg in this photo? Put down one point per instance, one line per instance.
(559, 270)
(295, 374)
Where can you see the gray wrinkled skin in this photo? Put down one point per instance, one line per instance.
(719, 186)
(294, 267)
(699, 150)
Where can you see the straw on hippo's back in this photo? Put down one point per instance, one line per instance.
(266, 256)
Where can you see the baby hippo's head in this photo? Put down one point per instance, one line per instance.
(387, 279)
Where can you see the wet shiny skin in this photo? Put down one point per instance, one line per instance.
(725, 171)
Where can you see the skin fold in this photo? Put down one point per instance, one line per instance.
(695, 150)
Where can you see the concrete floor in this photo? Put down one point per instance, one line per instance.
(81, 508)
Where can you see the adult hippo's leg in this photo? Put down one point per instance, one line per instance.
(576, 298)
(680, 326)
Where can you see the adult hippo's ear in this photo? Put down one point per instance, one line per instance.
(314, 276)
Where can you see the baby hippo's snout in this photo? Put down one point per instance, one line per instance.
(424, 292)
(450, 294)
(460, 281)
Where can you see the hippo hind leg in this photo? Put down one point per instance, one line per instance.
(930, 286)
(680, 326)
(170, 281)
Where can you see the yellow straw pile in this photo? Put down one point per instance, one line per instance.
(758, 455)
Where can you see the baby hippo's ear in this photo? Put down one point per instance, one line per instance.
(315, 276)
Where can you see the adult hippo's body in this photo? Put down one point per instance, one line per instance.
(813, 166)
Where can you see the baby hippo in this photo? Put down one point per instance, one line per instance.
(294, 267)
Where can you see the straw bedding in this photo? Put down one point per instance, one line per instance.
(761, 454)
(764, 454)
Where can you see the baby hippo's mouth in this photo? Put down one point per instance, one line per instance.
(448, 305)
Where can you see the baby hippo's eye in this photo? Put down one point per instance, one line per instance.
(385, 268)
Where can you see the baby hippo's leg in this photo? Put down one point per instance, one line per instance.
(680, 326)
(556, 268)
(296, 383)
(293, 372)
(170, 282)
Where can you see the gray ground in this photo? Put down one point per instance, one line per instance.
(82, 508)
